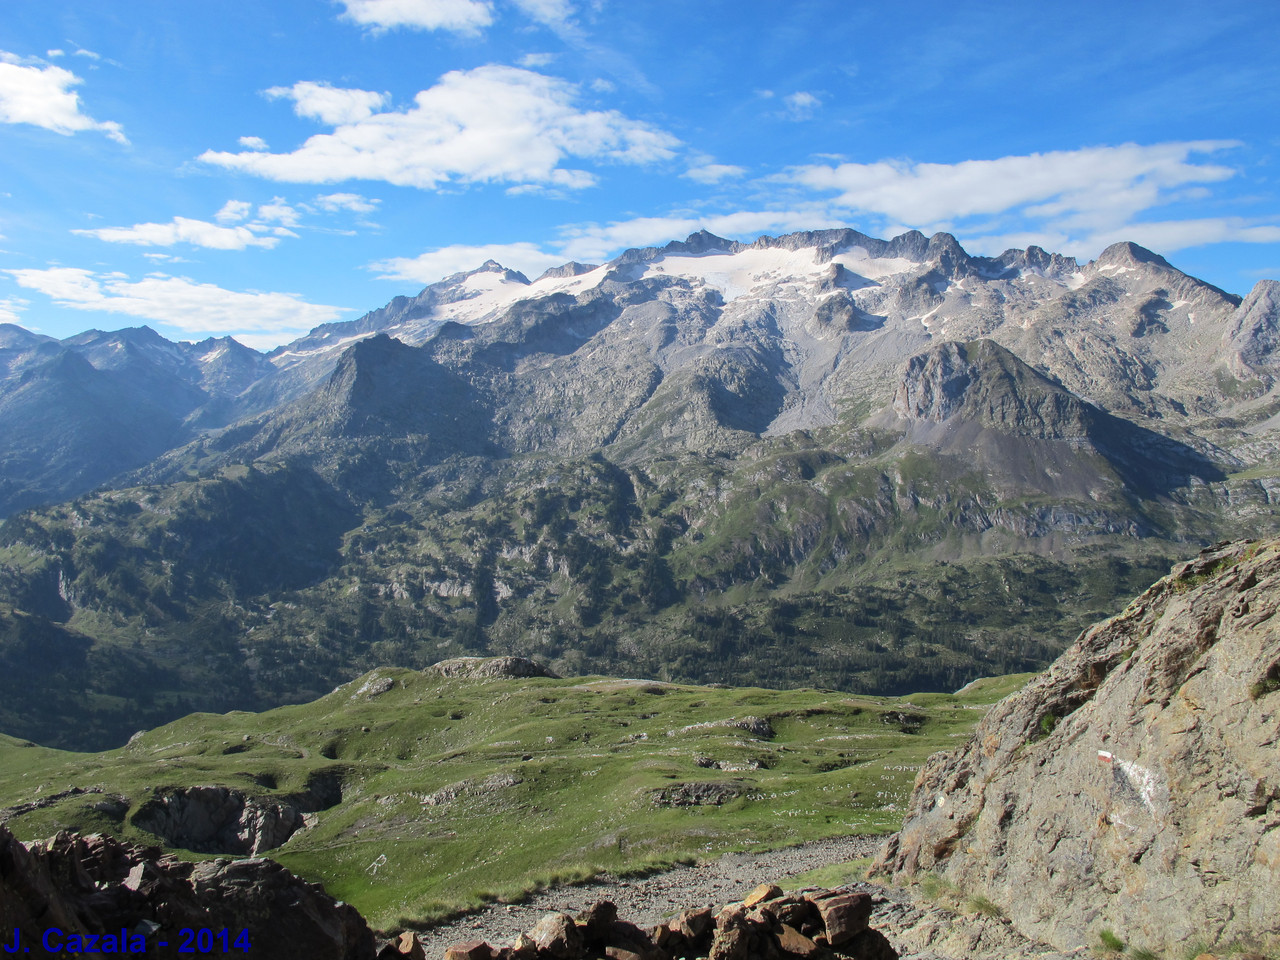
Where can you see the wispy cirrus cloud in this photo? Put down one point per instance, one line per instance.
(238, 225)
(10, 308)
(1073, 201)
(801, 105)
(457, 16)
(714, 172)
(197, 233)
(493, 124)
(41, 94)
(252, 316)
(551, 13)
(333, 202)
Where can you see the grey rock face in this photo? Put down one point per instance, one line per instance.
(218, 820)
(1255, 328)
(473, 668)
(1135, 786)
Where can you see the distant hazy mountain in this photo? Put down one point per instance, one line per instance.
(77, 412)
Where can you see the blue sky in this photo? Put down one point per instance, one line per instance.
(255, 168)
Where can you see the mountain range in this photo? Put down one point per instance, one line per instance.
(817, 458)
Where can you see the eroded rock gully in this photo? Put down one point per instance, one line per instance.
(1135, 786)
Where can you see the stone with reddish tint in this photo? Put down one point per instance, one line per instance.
(557, 935)
(523, 947)
(467, 950)
(844, 916)
(766, 891)
(792, 941)
(692, 924)
(409, 947)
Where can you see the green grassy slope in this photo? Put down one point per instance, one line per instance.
(865, 569)
(463, 790)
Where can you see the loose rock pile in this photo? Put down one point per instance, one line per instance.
(813, 924)
(94, 884)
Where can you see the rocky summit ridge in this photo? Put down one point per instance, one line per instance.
(1134, 787)
(696, 342)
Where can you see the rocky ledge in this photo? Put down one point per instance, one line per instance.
(1132, 792)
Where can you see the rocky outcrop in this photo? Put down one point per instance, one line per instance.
(212, 819)
(218, 820)
(1134, 787)
(95, 886)
(769, 924)
(985, 383)
(475, 668)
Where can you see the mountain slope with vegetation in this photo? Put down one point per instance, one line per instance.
(880, 466)
(411, 794)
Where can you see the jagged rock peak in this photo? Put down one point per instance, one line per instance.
(985, 383)
(695, 244)
(1255, 328)
(1143, 759)
(704, 241)
(571, 269)
(1126, 253)
(493, 266)
(1036, 260)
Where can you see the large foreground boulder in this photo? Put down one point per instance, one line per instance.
(1135, 786)
(95, 886)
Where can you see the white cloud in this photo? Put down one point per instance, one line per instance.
(1111, 183)
(253, 143)
(801, 105)
(461, 16)
(42, 96)
(490, 124)
(198, 233)
(331, 105)
(553, 13)
(51, 54)
(234, 211)
(277, 211)
(195, 308)
(433, 265)
(88, 53)
(334, 202)
(533, 61)
(713, 172)
(1071, 201)
(10, 308)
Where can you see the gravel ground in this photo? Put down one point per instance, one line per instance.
(917, 931)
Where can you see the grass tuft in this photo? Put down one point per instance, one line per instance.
(1109, 942)
(984, 906)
